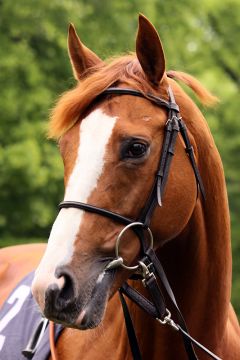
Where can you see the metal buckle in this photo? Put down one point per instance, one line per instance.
(146, 274)
(168, 321)
(118, 261)
(35, 339)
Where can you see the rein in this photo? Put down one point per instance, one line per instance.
(149, 268)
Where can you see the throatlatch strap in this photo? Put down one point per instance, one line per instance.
(190, 152)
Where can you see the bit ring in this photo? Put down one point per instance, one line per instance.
(119, 239)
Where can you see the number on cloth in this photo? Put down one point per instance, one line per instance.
(17, 299)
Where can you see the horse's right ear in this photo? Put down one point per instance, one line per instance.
(81, 57)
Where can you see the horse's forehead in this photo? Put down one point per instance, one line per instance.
(130, 114)
(132, 109)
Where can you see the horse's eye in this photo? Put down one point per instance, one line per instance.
(135, 150)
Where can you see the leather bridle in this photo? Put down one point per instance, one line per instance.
(174, 125)
(149, 267)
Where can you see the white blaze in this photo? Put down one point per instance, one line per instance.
(95, 133)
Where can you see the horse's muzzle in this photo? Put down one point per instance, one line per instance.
(76, 306)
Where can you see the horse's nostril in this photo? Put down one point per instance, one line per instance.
(52, 299)
(60, 294)
(67, 292)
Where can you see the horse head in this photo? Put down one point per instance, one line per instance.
(110, 146)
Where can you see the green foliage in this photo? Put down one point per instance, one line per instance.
(11, 241)
(200, 38)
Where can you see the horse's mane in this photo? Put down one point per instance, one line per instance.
(202, 93)
(125, 69)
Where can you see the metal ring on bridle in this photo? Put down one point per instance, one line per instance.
(120, 236)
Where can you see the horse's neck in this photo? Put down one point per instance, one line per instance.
(198, 266)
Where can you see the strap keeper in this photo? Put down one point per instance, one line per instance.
(168, 125)
(176, 126)
(171, 151)
(159, 190)
(159, 173)
(189, 149)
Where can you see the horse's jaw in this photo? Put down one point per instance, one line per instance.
(93, 312)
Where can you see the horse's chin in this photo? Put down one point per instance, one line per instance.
(92, 315)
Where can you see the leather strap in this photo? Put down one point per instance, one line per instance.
(162, 276)
(149, 307)
(157, 190)
(198, 344)
(190, 151)
(168, 148)
(139, 300)
(132, 339)
(155, 99)
(163, 159)
(156, 295)
(157, 308)
(94, 209)
(52, 341)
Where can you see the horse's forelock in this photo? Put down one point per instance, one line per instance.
(73, 103)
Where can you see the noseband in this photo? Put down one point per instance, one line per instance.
(149, 267)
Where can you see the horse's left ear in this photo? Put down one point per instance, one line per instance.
(81, 57)
(150, 51)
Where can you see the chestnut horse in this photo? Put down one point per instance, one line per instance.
(110, 148)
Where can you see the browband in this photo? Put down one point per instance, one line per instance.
(155, 99)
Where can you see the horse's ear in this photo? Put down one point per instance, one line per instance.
(81, 57)
(150, 51)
